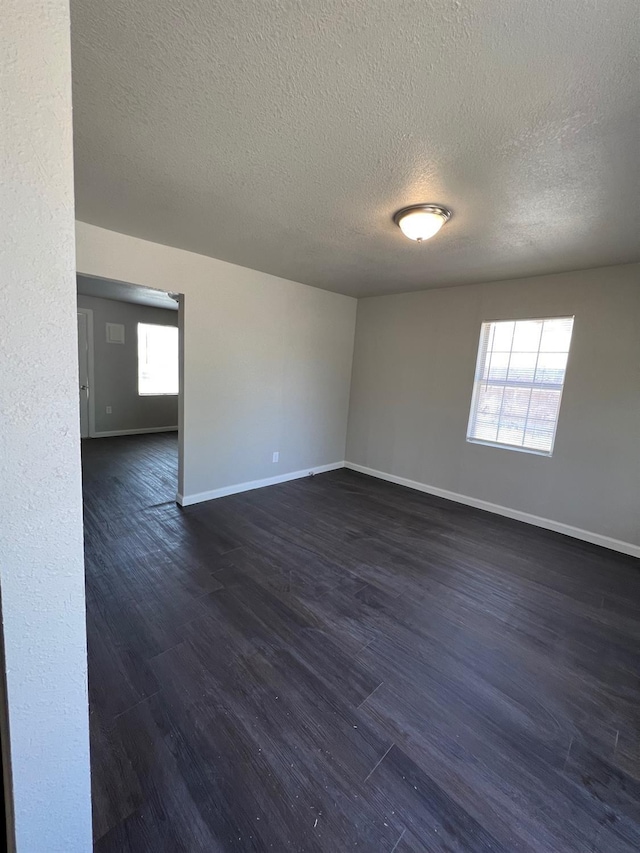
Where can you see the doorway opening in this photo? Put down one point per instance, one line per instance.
(131, 381)
(130, 386)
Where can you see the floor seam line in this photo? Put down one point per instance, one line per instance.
(378, 763)
(135, 704)
(370, 695)
(366, 646)
(399, 840)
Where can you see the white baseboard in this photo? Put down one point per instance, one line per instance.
(538, 521)
(188, 500)
(133, 431)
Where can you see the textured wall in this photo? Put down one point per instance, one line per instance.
(41, 565)
(413, 374)
(267, 362)
(116, 368)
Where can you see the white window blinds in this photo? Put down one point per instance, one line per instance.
(157, 360)
(518, 383)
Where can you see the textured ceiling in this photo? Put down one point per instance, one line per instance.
(283, 134)
(106, 289)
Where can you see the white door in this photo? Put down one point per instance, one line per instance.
(83, 364)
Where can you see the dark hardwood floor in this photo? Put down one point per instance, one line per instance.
(339, 663)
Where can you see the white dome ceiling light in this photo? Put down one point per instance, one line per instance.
(421, 221)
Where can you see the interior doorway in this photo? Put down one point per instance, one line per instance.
(131, 385)
(130, 375)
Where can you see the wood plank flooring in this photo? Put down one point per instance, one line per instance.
(341, 664)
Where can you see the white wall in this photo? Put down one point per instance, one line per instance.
(267, 362)
(413, 374)
(115, 383)
(41, 564)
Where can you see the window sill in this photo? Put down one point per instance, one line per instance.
(500, 446)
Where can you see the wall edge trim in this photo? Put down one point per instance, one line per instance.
(213, 494)
(497, 509)
(142, 431)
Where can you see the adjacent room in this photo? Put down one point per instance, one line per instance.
(129, 394)
(321, 400)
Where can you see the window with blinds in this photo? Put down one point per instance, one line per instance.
(518, 383)
(157, 360)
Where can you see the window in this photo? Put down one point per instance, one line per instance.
(518, 383)
(157, 360)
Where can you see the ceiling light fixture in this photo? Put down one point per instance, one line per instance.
(421, 221)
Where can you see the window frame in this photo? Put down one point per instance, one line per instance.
(477, 383)
(161, 326)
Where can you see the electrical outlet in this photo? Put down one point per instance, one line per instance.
(276, 455)
(109, 410)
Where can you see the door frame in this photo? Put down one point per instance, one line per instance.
(90, 369)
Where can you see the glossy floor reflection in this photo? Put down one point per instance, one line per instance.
(338, 663)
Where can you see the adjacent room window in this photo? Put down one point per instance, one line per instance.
(157, 359)
(518, 383)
